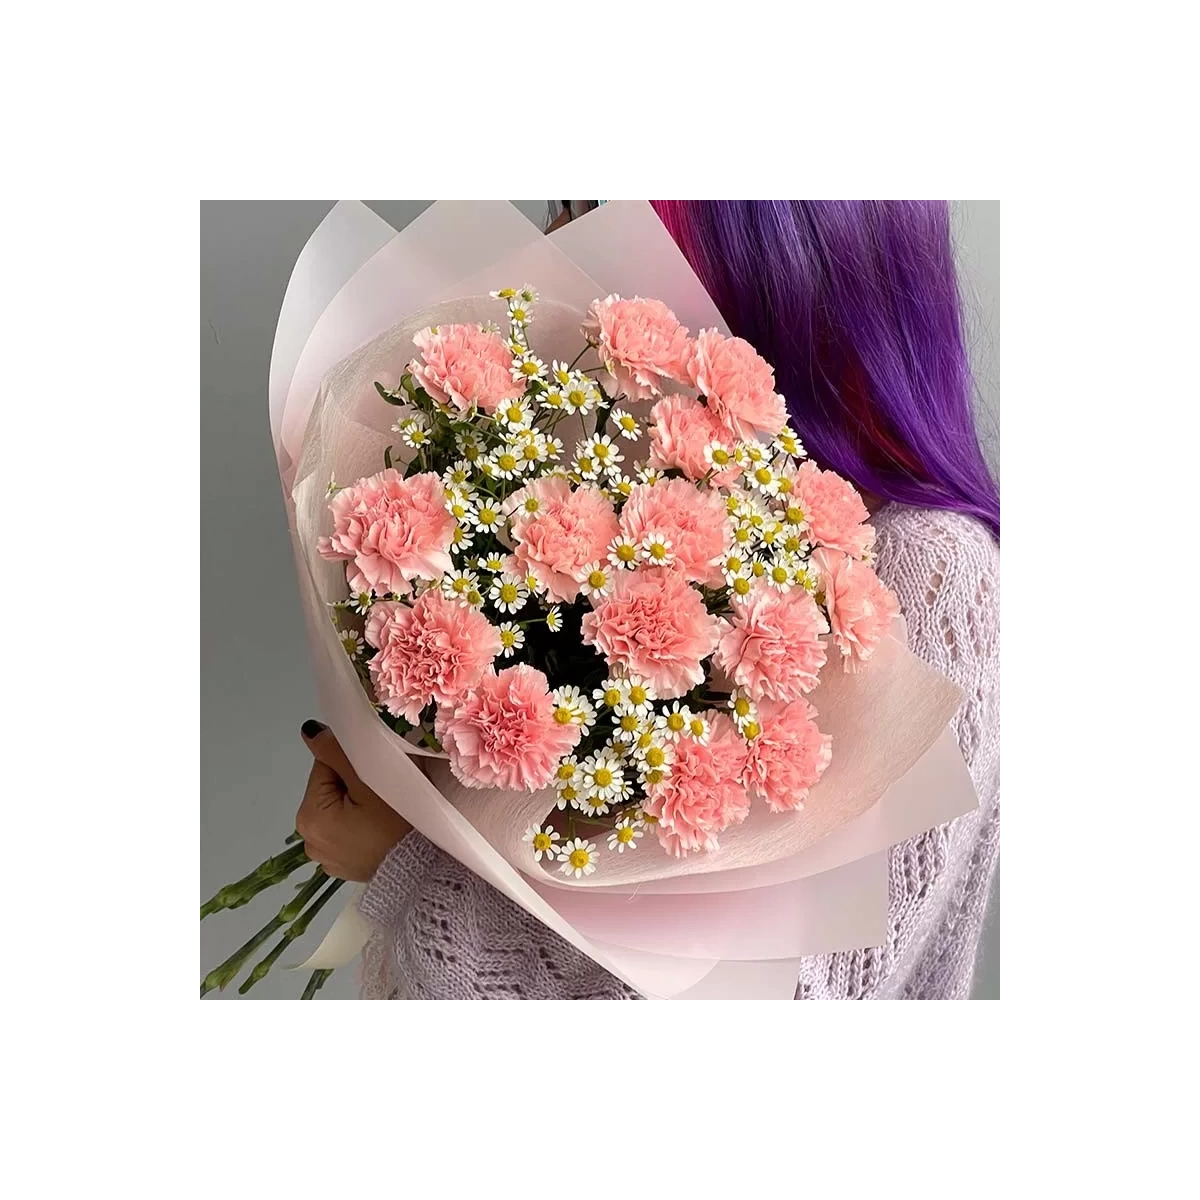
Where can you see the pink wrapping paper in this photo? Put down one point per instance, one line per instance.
(723, 925)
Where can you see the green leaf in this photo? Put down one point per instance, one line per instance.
(387, 457)
(398, 401)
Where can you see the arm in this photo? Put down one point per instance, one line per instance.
(944, 568)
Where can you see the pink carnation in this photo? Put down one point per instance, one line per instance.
(640, 342)
(463, 365)
(393, 529)
(680, 430)
(693, 519)
(653, 624)
(860, 608)
(433, 650)
(503, 733)
(834, 511)
(703, 795)
(570, 529)
(789, 755)
(737, 382)
(774, 648)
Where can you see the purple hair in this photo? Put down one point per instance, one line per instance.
(855, 304)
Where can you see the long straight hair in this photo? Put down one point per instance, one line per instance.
(856, 305)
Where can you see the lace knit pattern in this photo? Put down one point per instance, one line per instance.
(441, 933)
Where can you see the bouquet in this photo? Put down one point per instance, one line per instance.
(596, 583)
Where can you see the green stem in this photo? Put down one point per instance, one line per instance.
(222, 976)
(316, 981)
(295, 930)
(265, 875)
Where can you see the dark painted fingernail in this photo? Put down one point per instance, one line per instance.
(311, 728)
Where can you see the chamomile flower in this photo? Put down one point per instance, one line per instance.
(415, 433)
(467, 444)
(649, 474)
(541, 841)
(553, 398)
(807, 576)
(699, 728)
(491, 562)
(754, 453)
(572, 707)
(514, 414)
(596, 579)
(461, 538)
(794, 514)
(771, 532)
(458, 476)
(508, 593)
(781, 574)
(553, 445)
(788, 443)
(742, 709)
(603, 778)
(456, 584)
(488, 516)
(474, 598)
(623, 553)
(512, 638)
(520, 311)
(758, 569)
(568, 779)
(656, 550)
(360, 602)
(577, 857)
(517, 343)
(763, 477)
(653, 753)
(631, 725)
(718, 455)
(618, 484)
(554, 619)
(506, 462)
(605, 451)
(611, 692)
(528, 366)
(535, 449)
(581, 395)
(626, 424)
(561, 373)
(351, 641)
(672, 722)
(507, 293)
(745, 535)
(624, 834)
(585, 465)
(458, 505)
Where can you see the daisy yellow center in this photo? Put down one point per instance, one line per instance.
(350, 642)
(720, 457)
(645, 739)
(743, 534)
(629, 723)
(586, 464)
(562, 715)
(514, 413)
(529, 368)
(637, 694)
(750, 730)
(569, 793)
(792, 544)
(675, 722)
(697, 727)
(733, 563)
(509, 593)
(779, 574)
(794, 514)
(459, 510)
(562, 376)
(532, 504)
(473, 597)
(506, 461)
(541, 841)
(612, 697)
(597, 579)
(554, 400)
(741, 585)
(626, 553)
(566, 771)
(580, 859)
(517, 314)
(731, 504)
(785, 485)
(418, 436)
(508, 638)
(460, 585)
(658, 551)
(487, 515)
(625, 834)
(577, 397)
(655, 757)
(757, 569)
(754, 454)
(458, 535)
(625, 487)
(628, 424)
(602, 451)
(654, 777)
(741, 706)
(603, 777)
(531, 453)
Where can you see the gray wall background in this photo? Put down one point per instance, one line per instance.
(256, 684)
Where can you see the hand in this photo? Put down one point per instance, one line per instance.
(346, 827)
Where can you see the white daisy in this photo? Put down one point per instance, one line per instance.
(656, 550)
(512, 638)
(458, 476)
(581, 395)
(474, 597)
(527, 294)
(520, 311)
(763, 477)
(553, 398)
(415, 433)
(518, 344)
(788, 443)
(467, 444)
(626, 424)
(603, 450)
(718, 455)
(781, 574)
(603, 777)
(673, 721)
(456, 584)
(568, 779)
(507, 293)
(620, 485)
(461, 538)
(654, 755)
(794, 515)
(351, 641)
(745, 535)
(516, 414)
(489, 515)
(360, 602)
(639, 696)
(648, 474)
(506, 462)
(585, 465)
(754, 453)
(527, 367)
(742, 709)
(554, 447)
(458, 505)
(596, 579)
(561, 373)
(571, 706)
(624, 835)
(554, 619)
(630, 725)
(699, 728)
(541, 840)
(491, 562)
(623, 553)
(611, 692)
(577, 857)
(771, 532)
(508, 593)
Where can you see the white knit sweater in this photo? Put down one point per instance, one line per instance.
(441, 933)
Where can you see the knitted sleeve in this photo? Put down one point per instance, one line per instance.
(439, 932)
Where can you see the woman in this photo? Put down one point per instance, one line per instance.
(856, 305)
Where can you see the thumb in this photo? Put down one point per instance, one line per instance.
(326, 749)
